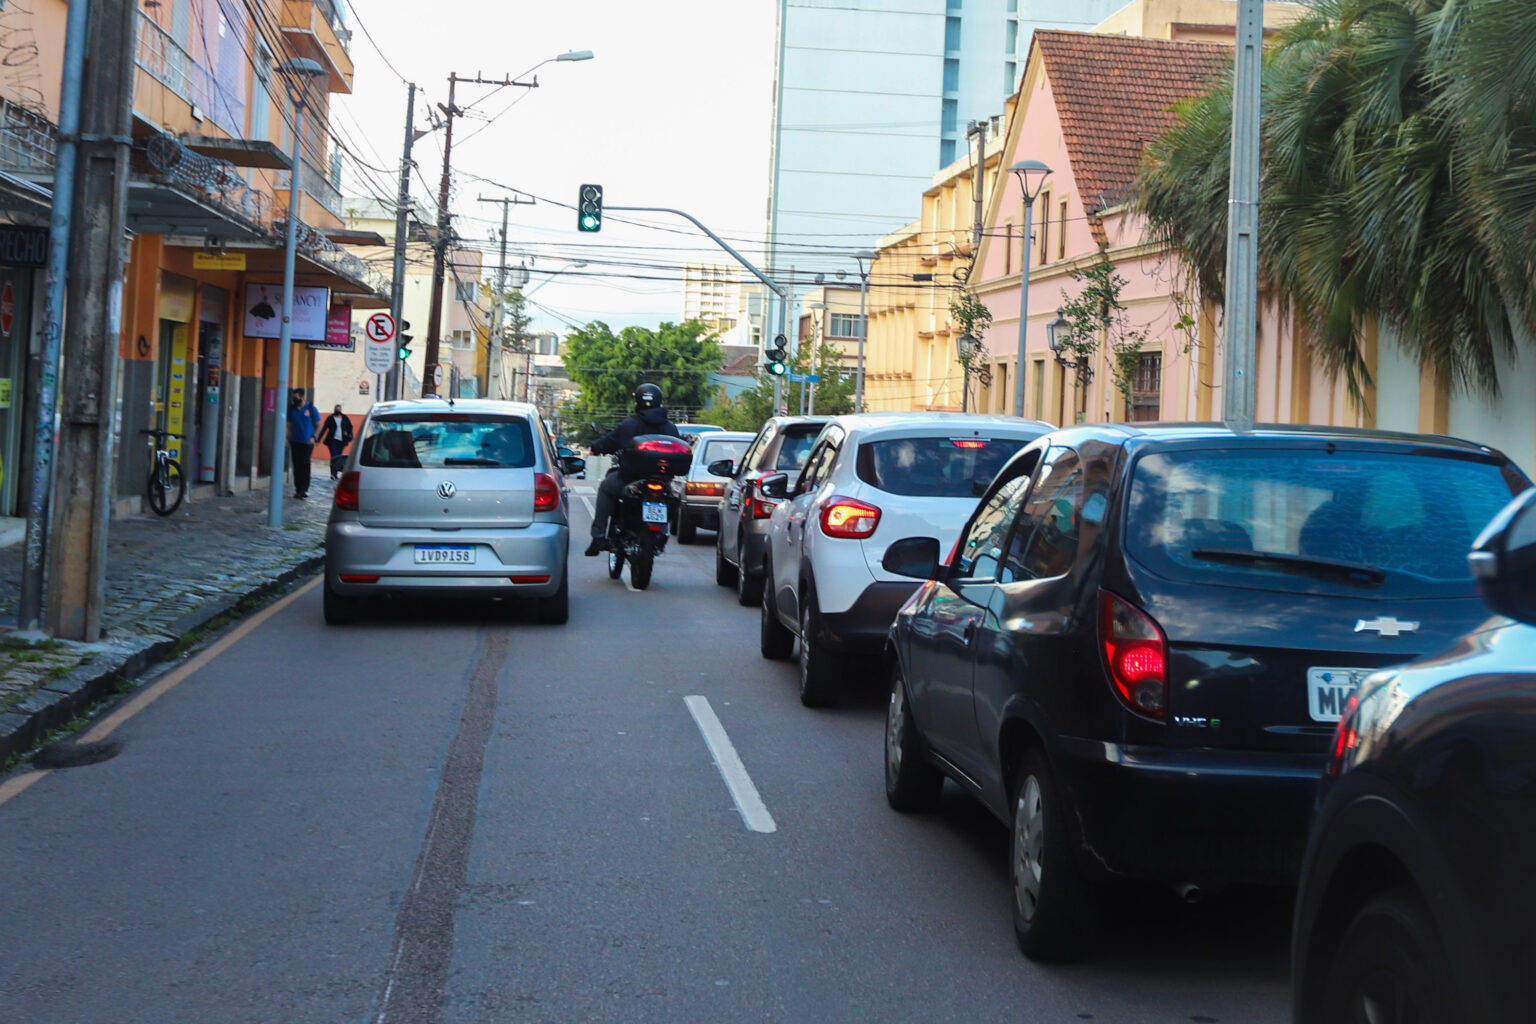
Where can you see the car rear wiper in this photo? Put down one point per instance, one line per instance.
(1366, 575)
(470, 462)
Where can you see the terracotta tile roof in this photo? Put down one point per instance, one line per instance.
(742, 366)
(1113, 96)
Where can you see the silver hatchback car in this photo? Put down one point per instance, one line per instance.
(443, 498)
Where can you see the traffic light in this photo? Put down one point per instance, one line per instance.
(776, 360)
(589, 208)
(404, 340)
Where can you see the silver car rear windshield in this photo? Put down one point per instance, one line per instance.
(441, 440)
(1399, 523)
(935, 467)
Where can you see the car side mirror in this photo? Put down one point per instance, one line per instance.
(565, 452)
(1503, 560)
(915, 557)
(721, 467)
(570, 465)
(774, 485)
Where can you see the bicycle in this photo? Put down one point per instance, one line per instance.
(166, 485)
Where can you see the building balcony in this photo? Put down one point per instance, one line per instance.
(315, 30)
(318, 186)
(163, 59)
(174, 191)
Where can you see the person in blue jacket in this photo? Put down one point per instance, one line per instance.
(303, 419)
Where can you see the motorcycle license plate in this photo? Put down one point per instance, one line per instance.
(654, 511)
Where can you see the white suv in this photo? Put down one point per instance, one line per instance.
(870, 479)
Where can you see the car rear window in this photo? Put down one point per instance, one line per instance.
(448, 439)
(1397, 522)
(796, 446)
(935, 467)
(714, 451)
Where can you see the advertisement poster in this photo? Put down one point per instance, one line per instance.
(338, 330)
(264, 316)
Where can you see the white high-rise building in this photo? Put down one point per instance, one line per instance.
(871, 97)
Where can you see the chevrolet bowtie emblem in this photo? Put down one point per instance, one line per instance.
(1386, 626)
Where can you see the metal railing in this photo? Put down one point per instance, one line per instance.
(167, 62)
(324, 251)
(28, 137)
(216, 180)
(316, 185)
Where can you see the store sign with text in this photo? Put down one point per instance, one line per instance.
(338, 330)
(264, 315)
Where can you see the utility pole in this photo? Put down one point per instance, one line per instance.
(493, 350)
(94, 311)
(445, 220)
(402, 234)
(1242, 271)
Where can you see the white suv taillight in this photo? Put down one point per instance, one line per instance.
(848, 518)
(1136, 654)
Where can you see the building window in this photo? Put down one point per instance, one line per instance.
(1011, 38)
(949, 119)
(757, 335)
(951, 75)
(1045, 227)
(843, 325)
(952, 35)
(946, 151)
(1061, 231)
(1008, 248)
(464, 291)
(1010, 78)
(462, 339)
(1038, 395)
(1147, 387)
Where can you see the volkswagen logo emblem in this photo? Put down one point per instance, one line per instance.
(446, 489)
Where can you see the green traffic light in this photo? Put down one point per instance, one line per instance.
(403, 353)
(589, 223)
(777, 368)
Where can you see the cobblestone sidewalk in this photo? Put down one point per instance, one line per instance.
(165, 578)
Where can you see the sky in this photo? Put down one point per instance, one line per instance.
(674, 110)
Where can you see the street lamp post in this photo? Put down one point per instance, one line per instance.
(300, 73)
(858, 396)
(1023, 169)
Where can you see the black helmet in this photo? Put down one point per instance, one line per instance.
(647, 396)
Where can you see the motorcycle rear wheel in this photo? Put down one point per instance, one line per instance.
(640, 568)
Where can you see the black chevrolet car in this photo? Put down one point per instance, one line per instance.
(1138, 649)
(1418, 893)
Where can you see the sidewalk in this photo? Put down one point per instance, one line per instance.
(165, 578)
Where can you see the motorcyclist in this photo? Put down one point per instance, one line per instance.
(650, 418)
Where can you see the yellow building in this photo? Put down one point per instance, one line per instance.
(208, 192)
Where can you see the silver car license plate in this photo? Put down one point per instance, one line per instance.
(654, 512)
(434, 554)
(1329, 689)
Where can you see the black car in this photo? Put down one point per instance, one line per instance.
(1418, 893)
(1137, 651)
(781, 445)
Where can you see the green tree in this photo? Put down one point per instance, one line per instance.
(1096, 316)
(608, 367)
(1399, 182)
(834, 392)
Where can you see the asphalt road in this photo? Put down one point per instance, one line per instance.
(449, 815)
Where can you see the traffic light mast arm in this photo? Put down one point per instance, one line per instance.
(783, 293)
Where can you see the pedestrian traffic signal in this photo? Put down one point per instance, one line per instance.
(776, 360)
(589, 208)
(404, 340)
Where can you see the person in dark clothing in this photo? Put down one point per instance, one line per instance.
(336, 434)
(650, 418)
(303, 418)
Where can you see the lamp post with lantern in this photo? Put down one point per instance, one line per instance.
(1022, 170)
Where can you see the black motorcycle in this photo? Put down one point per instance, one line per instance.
(638, 528)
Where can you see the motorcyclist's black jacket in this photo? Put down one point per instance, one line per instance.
(646, 421)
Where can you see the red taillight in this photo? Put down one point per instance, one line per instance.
(1345, 737)
(705, 488)
(652, 485)
(345, 578)
(530, 579)
(966, 443)
(546, 493)
(1136, 653)
(759, 508)
(848, 518)
(346, 491)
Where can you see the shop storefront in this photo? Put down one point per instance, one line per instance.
(23, 252)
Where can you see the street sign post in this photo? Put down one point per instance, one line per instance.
(437, 375)
(378, 343)
(804, 378)
(380, 327)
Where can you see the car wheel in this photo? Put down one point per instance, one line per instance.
(749, 585)
(340, 610)
(911, 783)
(1055, 909)
(775, 641)
(555, 610)
(615, 564)
(687, 529)
(725, 572)
(1389, 968)
(820, 671)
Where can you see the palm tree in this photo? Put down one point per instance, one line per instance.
(1398, 185)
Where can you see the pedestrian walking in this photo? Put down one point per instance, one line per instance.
(303, 419)
(336, 434)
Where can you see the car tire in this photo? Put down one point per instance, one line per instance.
(912, 784)
(1055, 909)
(615, 564)
(555, 610)
(687, 529)
(820, 670)
(749, 585)
(725, 572)
(640, 568)
(775, 641)
(1389, 966)
(340, 610)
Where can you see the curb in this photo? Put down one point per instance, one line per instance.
(63, 700)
